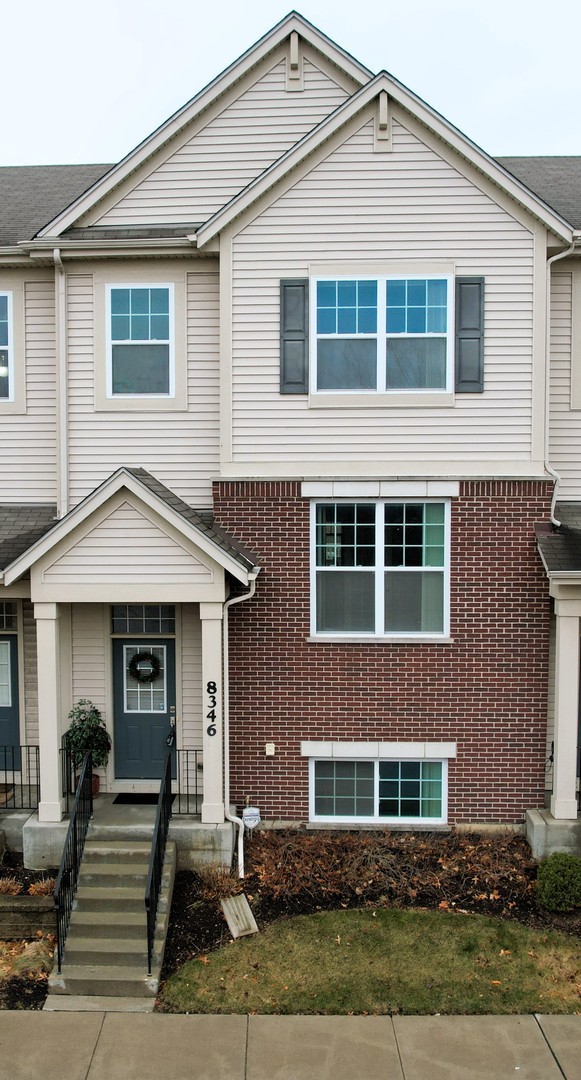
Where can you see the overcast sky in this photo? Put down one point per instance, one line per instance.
(87, 82)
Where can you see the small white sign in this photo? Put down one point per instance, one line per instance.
(251, 816)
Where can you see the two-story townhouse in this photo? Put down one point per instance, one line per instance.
(285, 415)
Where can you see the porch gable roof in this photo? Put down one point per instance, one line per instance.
(195, 526)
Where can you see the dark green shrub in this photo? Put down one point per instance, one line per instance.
(559, 882)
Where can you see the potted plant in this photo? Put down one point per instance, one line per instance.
(87, 731)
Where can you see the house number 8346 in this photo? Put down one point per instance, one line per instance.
(211, 690)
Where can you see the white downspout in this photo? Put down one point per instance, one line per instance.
(62, 419)
(226, 699)
(548, 467)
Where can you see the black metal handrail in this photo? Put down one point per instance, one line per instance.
(19, 777)
(158, 843)
(68, 875)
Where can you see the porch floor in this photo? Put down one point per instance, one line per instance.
(197, 843)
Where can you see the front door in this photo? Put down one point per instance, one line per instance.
(9, 712)
(144, 693)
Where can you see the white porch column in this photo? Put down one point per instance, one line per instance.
(564, 797)
(211, 616)
(50, 722)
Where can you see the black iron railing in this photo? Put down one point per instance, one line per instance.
(155, 874)
(187, 784)
(68, 875)
(19, 777)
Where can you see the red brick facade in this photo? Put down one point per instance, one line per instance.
(486, 691)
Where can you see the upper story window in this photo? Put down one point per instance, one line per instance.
(6, 347)
(383, 334)
(380, 568)
(141, 341)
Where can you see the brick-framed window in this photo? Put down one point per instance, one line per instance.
(380, 568)
(407, 791)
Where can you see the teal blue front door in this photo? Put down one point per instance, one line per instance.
(144, 707)
(9, 710)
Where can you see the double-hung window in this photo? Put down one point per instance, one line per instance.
(380, 568)
(383, 334)
(6, 347)
(141, 341)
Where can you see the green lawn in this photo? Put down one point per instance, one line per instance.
(385, 962)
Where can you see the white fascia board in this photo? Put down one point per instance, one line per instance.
(122, 479)
(104, 249)
(171, 127)
(427, 116)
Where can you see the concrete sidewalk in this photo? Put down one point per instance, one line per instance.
(128, 1046)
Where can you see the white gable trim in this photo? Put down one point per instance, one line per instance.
(337, 120)
(120, 480)
(293, 23)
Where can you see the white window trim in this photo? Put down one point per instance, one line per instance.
(376, 819)
(109, 342)
(7, 294)
(118, 277)
(12, 287)
(379, 570)
(407, 395)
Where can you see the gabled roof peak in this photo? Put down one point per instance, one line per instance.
(201, 101)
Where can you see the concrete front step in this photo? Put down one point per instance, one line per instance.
(105, 980)
(117, 851)
(107, 873)
(94, 1003)
(98, 951)
(97, 922)
(106, 947)
(113, 898)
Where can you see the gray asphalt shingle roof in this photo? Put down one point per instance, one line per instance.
(20, 527)
(556, 180)
(32, 195)
(561, 548)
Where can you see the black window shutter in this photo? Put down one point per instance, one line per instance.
(469, 335)
(294, 336)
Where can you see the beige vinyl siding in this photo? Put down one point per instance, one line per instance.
(565, 423)
(358, 205)
(89, 653)
(141, 552)
(251, 133)
(181, 449)
(28, 440)
(29, 730)
(90, 660)
(191, 732)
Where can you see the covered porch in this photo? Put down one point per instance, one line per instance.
(557, 826)
(131, 575)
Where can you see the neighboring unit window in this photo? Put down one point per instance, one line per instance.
(8, 615)
(5, 346)
(378, 790)
(141, 340)
(383, 334)
(381, 568)
(143, 619)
